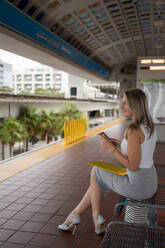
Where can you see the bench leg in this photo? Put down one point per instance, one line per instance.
(152, 216)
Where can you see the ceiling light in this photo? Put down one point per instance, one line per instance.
(157, 68)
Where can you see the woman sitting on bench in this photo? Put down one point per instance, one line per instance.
(135, 153)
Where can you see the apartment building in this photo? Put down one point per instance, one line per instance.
(5, 74)
(28, 80)
(39, 78)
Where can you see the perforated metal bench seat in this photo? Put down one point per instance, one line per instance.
(126, 235)
(152, 204)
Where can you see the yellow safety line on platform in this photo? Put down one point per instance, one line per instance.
(26, 161)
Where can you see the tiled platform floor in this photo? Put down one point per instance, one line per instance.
(35, 201)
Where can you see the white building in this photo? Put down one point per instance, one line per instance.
(46, 77)
(43, 78)
(5, 74)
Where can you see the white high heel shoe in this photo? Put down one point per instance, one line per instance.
(100, 222)
(72, 225)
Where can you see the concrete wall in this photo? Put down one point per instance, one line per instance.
(12, 108)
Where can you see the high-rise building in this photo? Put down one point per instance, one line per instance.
(5, 74)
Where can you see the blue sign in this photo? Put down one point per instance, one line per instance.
(16, 20)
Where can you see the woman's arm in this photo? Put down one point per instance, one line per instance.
(115, 142)
(134, 151)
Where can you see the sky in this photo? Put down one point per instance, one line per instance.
(19, 61)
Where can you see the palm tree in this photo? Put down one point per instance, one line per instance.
(53, 117)
(3, 138)
(45, 125)
(12, 131)
(68, 112)
(29, 119)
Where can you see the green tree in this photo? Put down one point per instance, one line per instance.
(48, 92)
(25, 92)
(41, 92)
(6, 89)
(3, 138)
(47, 126)
(11, 131)
(30, 120)
(68, 112)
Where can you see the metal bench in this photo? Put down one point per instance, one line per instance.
(126, 235)
(152, 204)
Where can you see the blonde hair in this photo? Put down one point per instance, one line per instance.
(138, 104)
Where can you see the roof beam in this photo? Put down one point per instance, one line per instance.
(105, 34)
(140, 28)
(83, 43)
(90, 34)
(118, 42)
(126, 23)
(113, 24)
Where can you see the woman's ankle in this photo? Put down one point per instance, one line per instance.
(75, 212)
(95, 215)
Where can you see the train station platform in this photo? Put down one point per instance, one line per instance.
(35, 200)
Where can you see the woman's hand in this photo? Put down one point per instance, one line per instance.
(107, 144)
(115, 142)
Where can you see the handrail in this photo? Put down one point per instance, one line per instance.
(74, 130)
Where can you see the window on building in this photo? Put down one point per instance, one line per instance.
(38, 77)
(47, 86)
(38, 86)
(19, 77)
(28, 87)
(1, 65)
(58, 77)
(28, 77)
(47, 77)
(109, 112)
(58, 87)
(73, 91)
(18, 86)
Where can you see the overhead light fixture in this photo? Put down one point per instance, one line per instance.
(152, 61)
(146, 61)
(158, 61)
(157, 68)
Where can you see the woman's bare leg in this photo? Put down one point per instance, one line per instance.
(96, 196)
(84, 204)
(93, 196)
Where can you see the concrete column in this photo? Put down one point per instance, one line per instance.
(7, 151)
(0, 151)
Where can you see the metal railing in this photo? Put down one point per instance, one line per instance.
(74, 130)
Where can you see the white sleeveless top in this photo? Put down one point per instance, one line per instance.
(147, 148)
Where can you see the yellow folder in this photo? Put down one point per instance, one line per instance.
(109, 167)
